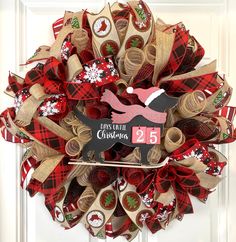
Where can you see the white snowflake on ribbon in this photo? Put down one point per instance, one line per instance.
(144, 217)
(18, 101)
(65, 51)
(194, 154)
(140, 24)
(49, 109)
(57, 96)
(112, 69)
(163, 215)
(93, 74)
(147, 200)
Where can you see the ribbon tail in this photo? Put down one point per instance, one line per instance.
(199, 192)
(183, 200)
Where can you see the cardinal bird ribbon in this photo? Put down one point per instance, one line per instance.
(146, 125)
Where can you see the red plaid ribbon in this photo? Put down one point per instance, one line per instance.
(35, 75)
(45, 136)
(198, 54)
(178, 52)
(83, 91)
(191, 58)
(13, 84)
(54, 76)
(181, 86)
(53, 182)
(183, 180)
(193, 128)
(96, 73)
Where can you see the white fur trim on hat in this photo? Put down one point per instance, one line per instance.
(153, 96)
(130, 90)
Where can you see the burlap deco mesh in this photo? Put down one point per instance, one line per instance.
(121, 26)
(80, 39)
(122, 71)
(191, 104)
(150, 53)
(174, 138)
(133, 61)
(122, 85)
(82, 178)
(86, 199)
(154, 155)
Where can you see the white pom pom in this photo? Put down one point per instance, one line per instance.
(129, 89)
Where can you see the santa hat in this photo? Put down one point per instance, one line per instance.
(146, 95)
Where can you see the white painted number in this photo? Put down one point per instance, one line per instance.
(140, 136)
(146, 135)
(153, 137)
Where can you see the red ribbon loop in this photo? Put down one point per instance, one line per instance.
(54, 76)
(133, 175)
(183, 180)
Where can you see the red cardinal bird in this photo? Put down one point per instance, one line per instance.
(57, 213)
(94, 217)
(103, 26)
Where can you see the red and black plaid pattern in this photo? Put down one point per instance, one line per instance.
(186, 64)
(53, 182)
(178, 52)
(183, 200)
(45, 136)
(181, 86)
(57, 178)
(145, 72)
(82, 88)
(191, 58)
(33, 187)
(15, 86)
(198, 54)
(54, 76)
(193, 128)
(153, 224)
(199, 192)
(50, 203)
(183, 180)
(35, 75)
(83, 91)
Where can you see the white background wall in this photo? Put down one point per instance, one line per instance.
(25, 25)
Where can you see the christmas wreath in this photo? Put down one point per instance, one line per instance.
(117, 123)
